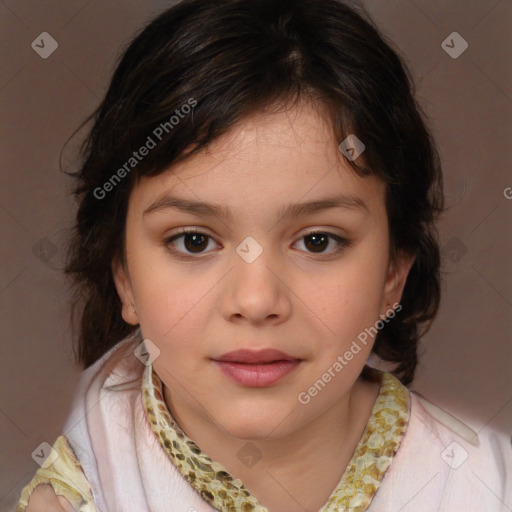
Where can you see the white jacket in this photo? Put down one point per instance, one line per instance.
(441, 464)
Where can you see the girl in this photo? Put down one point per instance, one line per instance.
(258, 198)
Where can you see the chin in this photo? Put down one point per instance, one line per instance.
(255, 424)
(250, 432)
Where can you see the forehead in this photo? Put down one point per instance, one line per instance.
(267, 159)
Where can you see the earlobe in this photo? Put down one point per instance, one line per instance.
(125, 293)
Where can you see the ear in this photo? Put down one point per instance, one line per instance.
(398, 270)
(125, 292)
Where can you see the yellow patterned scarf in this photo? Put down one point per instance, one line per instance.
(355, 490)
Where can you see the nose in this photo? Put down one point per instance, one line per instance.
(256, 291)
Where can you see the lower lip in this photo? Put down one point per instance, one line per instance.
(257, 375)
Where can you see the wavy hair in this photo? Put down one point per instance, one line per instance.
(235, 58)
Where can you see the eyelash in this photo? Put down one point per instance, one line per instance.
(343, 243)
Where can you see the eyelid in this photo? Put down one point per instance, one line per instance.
(327, 231)
(191, 229)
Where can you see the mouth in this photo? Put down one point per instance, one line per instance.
(257, 369)
(262, 356)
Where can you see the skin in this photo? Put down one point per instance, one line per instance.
(309, 304)
(44, 499)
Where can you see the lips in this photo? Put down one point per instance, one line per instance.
(264, 356)
(257, 369)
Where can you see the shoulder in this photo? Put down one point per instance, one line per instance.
(69, 474)
(59, 483)
(44, 498)
(443, 460)
(465, 467)
(447, 429)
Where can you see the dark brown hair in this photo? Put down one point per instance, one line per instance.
(235, 58)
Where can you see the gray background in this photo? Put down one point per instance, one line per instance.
(467, 355)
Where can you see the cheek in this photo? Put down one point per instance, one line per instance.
(171, 299)
(348, 299)
(174, 321)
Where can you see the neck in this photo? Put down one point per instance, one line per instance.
(297, 472)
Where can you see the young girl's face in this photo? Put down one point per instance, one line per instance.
(254, 279)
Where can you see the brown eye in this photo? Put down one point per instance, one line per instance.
(189, 242)
(318, 241)
(195, 242)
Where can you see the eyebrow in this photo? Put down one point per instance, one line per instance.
(200, 208)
